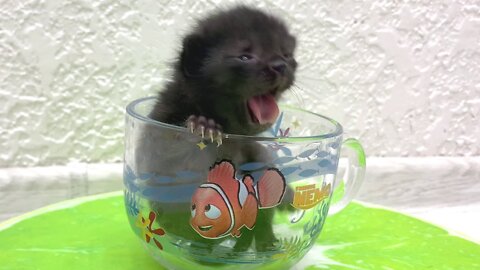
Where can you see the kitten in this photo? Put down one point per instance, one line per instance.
(232, 69)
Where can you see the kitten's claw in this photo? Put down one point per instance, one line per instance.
(202, 126)
(191, 123)
(210, 133)
(219, 138)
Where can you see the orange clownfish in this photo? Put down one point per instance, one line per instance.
(223, 205)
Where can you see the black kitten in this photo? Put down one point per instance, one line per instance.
(231, 71)
(233, 67)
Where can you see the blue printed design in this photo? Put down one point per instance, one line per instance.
(322, 154)
(147, 185)
(279, 147)
(129, 178)
(289, 170)
(163, 179)
(314, 160)
(145, 176)
(325, 163)
(333, 145)
(308, 173)
(276, 127)
(131, 203)
(128, 173)
(311, 162)
(282, 160)
(307, 153)
(314, 225)
(187, 174)
(252, 166)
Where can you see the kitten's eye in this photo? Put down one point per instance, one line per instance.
(212, 212)
(287, 55)
(245, 57)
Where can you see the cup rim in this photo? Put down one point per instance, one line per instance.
(131, 110)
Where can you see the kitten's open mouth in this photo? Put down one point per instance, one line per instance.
(205, 228)
(263, 109)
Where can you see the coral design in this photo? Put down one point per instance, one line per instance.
(145, 224)
(284, 133)
(291, 248)
(276, 131)
(314, 226)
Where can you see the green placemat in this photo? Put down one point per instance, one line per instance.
(93, 233)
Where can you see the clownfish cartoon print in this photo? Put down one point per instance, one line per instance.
(224, 204)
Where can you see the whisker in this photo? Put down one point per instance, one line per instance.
(297, 93)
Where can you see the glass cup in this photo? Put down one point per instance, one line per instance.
(249, 201)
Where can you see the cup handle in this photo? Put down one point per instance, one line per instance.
(354, 174)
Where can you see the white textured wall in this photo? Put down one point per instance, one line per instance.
(403, 77)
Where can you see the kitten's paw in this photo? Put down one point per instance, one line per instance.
(265, 242)
(204, 127)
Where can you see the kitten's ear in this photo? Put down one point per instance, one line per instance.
(194, 53)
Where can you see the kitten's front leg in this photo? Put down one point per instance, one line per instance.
(265, 239)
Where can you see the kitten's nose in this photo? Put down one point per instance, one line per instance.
(279, 66)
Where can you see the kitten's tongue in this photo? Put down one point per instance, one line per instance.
(263, 109)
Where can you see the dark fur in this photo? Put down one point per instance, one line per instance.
(210, 79)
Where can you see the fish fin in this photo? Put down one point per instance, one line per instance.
(271, 188)
(221, 171)
(236, 233)
(248, 181)
(250, 209)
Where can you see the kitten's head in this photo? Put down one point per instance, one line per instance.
(241, 60)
